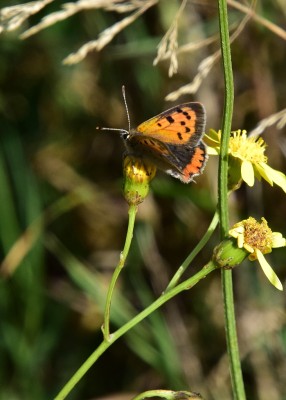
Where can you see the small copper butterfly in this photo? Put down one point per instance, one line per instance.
(172, 140)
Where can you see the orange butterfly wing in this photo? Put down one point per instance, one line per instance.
(172, 140)
(178, 125)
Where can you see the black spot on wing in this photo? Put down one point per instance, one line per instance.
(170, 119)
(179, 135)
(187, 115)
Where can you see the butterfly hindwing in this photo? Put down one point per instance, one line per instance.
(182, 162)
(190, 161)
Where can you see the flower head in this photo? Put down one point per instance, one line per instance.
(137, 176)
(258, 239)
(247, 159)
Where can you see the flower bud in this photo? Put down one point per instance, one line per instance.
(227, 254)
(137, 175)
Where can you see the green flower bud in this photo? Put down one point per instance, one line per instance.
(227, 254)
(137, 176)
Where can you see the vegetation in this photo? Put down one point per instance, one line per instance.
(64, 218)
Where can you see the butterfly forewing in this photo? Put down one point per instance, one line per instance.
(178, 125)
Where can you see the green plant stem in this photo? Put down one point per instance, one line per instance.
(192, 255)
(230, 324)
(123, 255)
(186, 285)
(227, 119)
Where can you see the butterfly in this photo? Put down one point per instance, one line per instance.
(172, 140)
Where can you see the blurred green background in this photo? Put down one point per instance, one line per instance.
(62, 209)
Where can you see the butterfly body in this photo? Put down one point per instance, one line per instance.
(172, 140)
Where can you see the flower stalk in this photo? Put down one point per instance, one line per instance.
(230, 324)
(123, 255)
(137, 176)
(185, 285)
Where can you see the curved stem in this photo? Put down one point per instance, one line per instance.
(194, 252)
(123, 255)
(186, 285)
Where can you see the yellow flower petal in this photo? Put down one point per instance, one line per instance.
(212, 151)
(240, 240)
(276, 176)
(247, 172)
(237, 230)
(235, 154)
(251, 250)
(278, 240)
(263, 172)
(213, 136)
(268, 271)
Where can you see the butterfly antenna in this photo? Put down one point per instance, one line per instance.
(124, 132)
(126, 107)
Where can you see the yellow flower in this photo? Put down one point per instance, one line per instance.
(258, 239)
(247, 154)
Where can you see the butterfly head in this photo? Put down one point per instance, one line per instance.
(124, 134)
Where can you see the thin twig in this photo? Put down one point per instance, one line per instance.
(263, 21)
(205, 66)
(107, 35)
(278, 119)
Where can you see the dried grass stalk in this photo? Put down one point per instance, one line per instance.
(167, 48)
(205, 67)
(13, 17)
(70, 9)
(107, 35)
(203, 70)
(190, 47)
(262, 21)
(278, 119)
